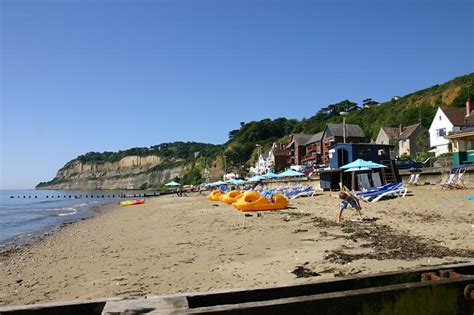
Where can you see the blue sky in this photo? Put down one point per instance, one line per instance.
(80, 76)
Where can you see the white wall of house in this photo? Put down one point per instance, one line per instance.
(382, 137)
(263, 165)
(404, 147)
(440, 127)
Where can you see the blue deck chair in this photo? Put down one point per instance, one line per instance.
(373, 196)
(371, 189)
(451, 180)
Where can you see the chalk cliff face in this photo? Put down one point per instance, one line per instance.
(131, 172)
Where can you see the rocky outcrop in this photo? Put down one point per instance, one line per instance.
(131, 172)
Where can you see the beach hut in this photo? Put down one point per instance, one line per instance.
(353, 170)
(360, 165)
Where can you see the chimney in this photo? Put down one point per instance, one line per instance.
(468, 106)
(400, 129)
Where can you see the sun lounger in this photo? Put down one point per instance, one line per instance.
(449, 183)
(384, 187)
(416, 180)
(299, 191)
(375, 195)
(399, 192)
(459, 181)
(306, 193)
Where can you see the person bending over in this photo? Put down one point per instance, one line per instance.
(348, 199)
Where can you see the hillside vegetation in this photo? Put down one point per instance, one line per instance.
(240, 150)
(417, 107)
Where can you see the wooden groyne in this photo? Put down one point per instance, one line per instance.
(91, 196)
(447, 289)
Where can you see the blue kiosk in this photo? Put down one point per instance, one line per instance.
(343, 153)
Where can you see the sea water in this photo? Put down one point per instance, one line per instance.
(25, 213)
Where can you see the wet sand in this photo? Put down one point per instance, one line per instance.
(172, 244)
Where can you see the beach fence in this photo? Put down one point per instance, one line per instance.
(447, 289)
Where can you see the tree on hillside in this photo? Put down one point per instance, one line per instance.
(193, 177)
(334, 109)
(368, 102)
(330, 113)
(423, 140)
(232, 133)
(464, 93)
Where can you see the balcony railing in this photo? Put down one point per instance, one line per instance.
(309, 157)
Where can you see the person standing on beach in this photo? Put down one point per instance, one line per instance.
(348, 199)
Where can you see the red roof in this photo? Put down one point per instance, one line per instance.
(457, 115)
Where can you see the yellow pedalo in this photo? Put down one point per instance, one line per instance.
(253, 201)
(231, 197)
(215, 194)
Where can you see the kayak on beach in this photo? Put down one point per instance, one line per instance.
(132, 202)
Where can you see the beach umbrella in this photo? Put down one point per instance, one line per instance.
(371, 164)
(233, 181)
(359, 163)
(356, 169)
(173, 183)
(290, 173)
(255, 178)
(270, 175)
(355, 164)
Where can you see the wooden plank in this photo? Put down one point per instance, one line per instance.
(434, 297)
(147, 305)
(271, 298)
(318, 287)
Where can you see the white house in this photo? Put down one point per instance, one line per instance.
(263, 165)
(446, 120)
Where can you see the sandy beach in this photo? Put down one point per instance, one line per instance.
(171, 244)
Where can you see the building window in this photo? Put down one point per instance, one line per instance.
(469, 145)
(441, 132)
(439, 117)
(365, 152)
